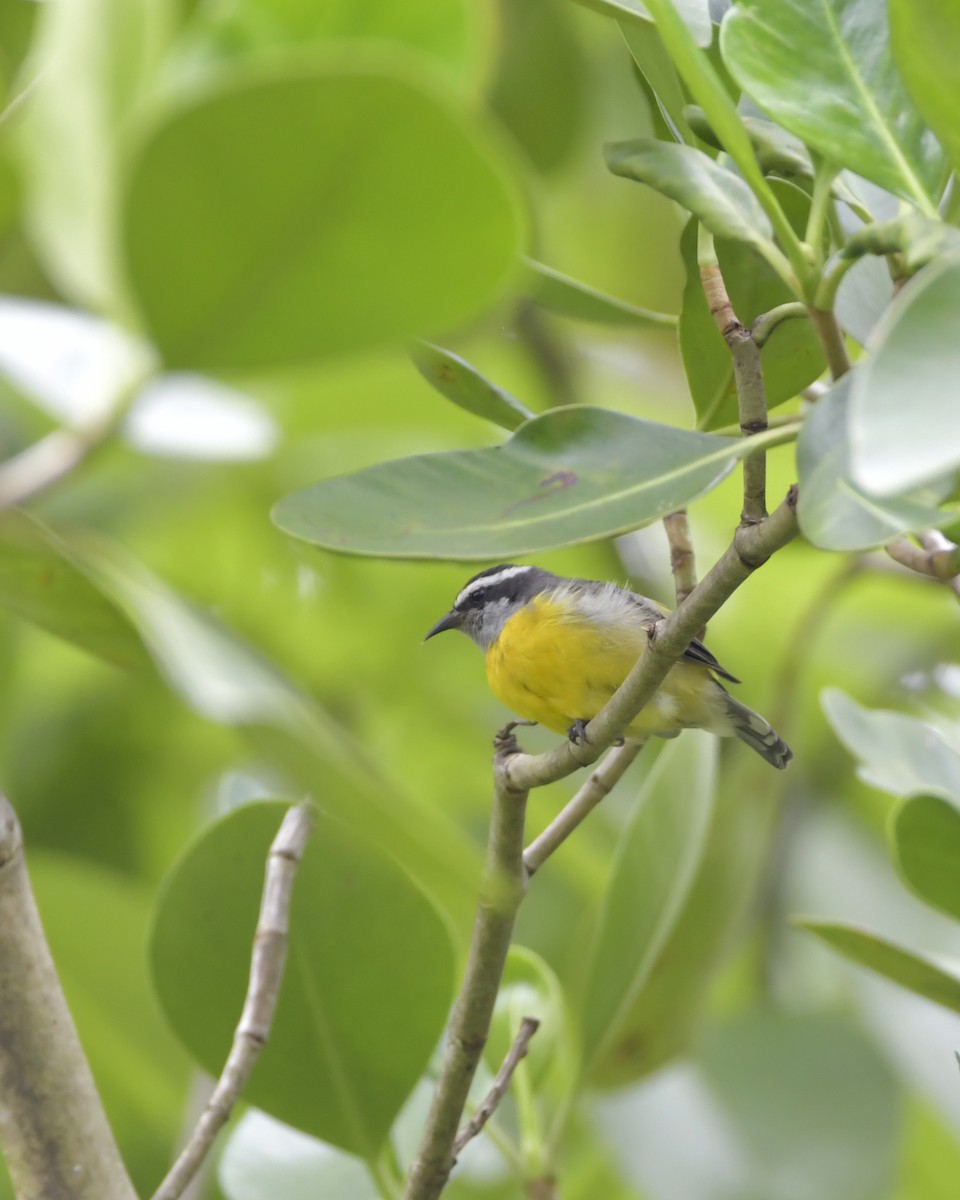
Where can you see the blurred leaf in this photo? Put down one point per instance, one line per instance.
(926, 838)
(918, 239)
(571, 475)
(863, 298)
(834, 513)
(140, 1070)
(897, 753)
(906, 967)
(454, 378)
(571, 298)
(926, 41)
(98, 61)
(776, 150)
(398, 221)
(657, 858)
(824, 72)
(41, 583)
(695, 14)
(791, 357)
(895, 445)
(265, 1159)
(717, 197)
(366, 988)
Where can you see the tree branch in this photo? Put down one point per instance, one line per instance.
(266, 971)
(936, 556)
(521, 1043)
(501, 892)
(55, 1136)
(682, 560)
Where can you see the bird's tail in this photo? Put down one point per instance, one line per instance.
(758, 733)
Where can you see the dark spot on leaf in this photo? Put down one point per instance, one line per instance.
(446, 373)
(559, 481)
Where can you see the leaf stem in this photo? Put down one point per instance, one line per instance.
(820, 202)
(831, 340)
(767, 322)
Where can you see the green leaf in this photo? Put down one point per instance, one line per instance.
(245, 252)
(919, 240)
(897, 444)
(570, 475)
(366, 988)
(570, 298)
(833, 512)
(718, 198)
(824, 72)
(42, 583)
(657, 858)
(99, 61)
(926, 42)
(906, 967)
(897, 753)
(864, 296)
(926, 838)
(454, 378)
(791, 357)
(695, 14)
(655, 65)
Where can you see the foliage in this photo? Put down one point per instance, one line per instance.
(249, 251)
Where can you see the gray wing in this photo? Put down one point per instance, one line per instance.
(696, 651)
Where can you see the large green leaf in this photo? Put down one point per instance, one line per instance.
(897, 753)
(791, 357)
(456, 379)
(570, 298)
(42, 583)
(908, 968)
(833, 512)
(894, 444)
(823, 71)
(571, 475)
(366, 988)
(926, 837)
(926, 46)
(246, 252)
(98, 61)
(718, 198)
(656, 861)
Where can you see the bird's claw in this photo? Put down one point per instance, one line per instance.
(577, 732)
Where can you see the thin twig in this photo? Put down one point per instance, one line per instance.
(682, 560)
(521, 1043)
(935, 557)
(502, 890)
(575, 812)
(266, 971)
(55, 1136)
(831, 340)
(767, 322)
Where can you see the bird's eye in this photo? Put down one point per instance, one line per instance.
(479, 597)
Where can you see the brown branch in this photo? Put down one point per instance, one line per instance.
(266, 971)
(55, 1136)
(936, 557)
(521, 1043)
(682, 560)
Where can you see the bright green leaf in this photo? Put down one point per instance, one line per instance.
(926, 43)
(926, 838)
(903, 407)
(571, 298)
(906, 967)
(897, 753)
(718, 198)
(833, 512)
(571, 475)
(454, 378)
(657, 858)
(245, 252)
(824, 72)
(347, 1045)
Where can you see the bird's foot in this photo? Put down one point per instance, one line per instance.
(504, 741)
(577, 732)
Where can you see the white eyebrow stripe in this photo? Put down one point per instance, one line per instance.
(489, 581)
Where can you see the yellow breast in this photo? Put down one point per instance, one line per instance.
(555, 665)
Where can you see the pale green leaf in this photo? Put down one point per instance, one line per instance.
(456, 379)
(570, 298)
(926, 46)
(926, 839)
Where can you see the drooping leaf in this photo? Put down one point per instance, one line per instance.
(926, 839)
(824, 72)
(655, 65)
(926, 39)
(897, 753)
(917, 972)
(570, 298)
(657, 857)
(896, 445)
(570, 475)
(244, 252)
(833, 512)
(347, 1046)
(456, 379)
(718, 198)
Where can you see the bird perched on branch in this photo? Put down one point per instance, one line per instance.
(557, 649)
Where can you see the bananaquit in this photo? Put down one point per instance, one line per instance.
(557, 649)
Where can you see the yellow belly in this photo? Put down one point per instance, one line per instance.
(548, 666)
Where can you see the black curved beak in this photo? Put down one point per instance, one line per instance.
(452, 620)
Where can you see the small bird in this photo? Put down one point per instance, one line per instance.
(557, 649)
